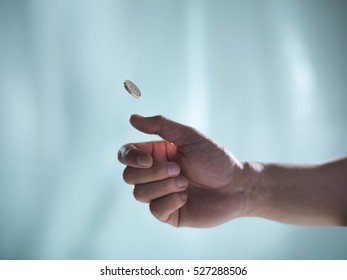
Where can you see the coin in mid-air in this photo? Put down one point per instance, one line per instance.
(132, 89)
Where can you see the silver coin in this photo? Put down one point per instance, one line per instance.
(132, 89)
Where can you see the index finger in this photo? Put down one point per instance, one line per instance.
(131, 155)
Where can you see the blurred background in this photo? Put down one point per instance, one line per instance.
(265, 78)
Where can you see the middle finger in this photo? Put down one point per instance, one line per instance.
(158, 171)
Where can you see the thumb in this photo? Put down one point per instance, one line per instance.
(169, 130)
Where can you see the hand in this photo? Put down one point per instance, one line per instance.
(187, 179)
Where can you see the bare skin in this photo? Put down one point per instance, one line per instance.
(191, 181)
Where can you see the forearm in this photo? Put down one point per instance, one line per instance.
(299, 194)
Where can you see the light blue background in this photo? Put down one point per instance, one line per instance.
(267, 79)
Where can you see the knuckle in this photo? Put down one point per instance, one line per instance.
(159, 118)
(172, 203)
(156, 212)
(127, 175)
(139, 194)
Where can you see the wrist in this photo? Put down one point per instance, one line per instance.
(256, 195)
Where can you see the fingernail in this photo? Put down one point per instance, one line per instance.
(136, 116)
(144, 161)
(173, 170)
(181, 182)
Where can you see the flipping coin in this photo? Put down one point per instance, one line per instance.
(132, 89)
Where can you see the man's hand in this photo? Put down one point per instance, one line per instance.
(187, 179)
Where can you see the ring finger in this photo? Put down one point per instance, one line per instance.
(150, 191)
